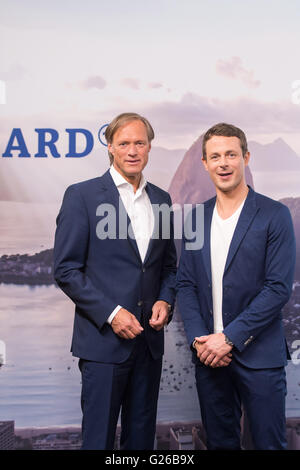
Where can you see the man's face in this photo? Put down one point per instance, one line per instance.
(130, 148)
(225, 162)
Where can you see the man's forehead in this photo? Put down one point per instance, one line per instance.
(220, 141)
(129, 126)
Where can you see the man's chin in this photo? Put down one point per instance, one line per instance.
(134, 170)
(225, 187)
(229, 186)
(133, 173)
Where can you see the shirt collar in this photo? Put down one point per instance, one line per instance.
(119, 180)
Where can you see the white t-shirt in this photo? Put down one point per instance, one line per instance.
(220, 238)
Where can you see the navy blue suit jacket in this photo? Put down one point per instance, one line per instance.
(257, 282)
(99, 274)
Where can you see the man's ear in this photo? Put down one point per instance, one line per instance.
(247, 158)
(204, 161)
(110, 148)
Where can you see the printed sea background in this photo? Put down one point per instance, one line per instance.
(40, 383)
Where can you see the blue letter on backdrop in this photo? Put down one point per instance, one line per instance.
(72, 142)
(21, 146)
(50, 143)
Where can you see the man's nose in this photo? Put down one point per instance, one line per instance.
(223, 160)
(132, 149)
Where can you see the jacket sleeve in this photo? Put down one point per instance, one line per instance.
(169, 268)
(280, 258)
(70, 252)
(187, 296)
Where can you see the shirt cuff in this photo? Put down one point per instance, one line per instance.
(113, 313)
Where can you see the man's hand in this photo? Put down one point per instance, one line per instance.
(213, 351)
(126, 325)
(160, 314)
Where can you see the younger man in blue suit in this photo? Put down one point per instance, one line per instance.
(121, 279)
(230, 296)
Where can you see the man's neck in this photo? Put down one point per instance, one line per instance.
(228, 202)
(134, 180)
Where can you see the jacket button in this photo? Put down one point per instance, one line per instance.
(140, 303)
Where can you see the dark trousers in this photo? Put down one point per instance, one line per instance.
(222, 391)
(131, 386)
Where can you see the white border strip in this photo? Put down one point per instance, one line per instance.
(2, 92)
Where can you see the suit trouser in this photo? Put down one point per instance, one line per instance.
(131, 386)
(262, 392)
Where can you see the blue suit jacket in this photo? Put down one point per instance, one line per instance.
(257, 282)
(100, 274)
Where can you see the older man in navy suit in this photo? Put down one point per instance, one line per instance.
(112, 260)
(230, 295)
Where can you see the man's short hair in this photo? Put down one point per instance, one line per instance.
(120, 121)
(225, 130)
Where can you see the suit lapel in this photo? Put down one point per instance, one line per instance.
(208, 212)
(113, 197)
(248, 212)
(107, 184)
(155, 200)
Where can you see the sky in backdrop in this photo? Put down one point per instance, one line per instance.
(185, 65)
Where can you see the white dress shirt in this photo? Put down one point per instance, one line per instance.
(139, 210)
(220, 238)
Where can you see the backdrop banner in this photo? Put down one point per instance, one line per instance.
(67, 69)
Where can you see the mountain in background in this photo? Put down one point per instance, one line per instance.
(276, 156)
(45, 179)
(293, 203)
(162, 165)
